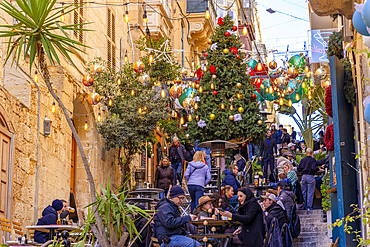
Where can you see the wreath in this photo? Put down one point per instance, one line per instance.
(329, 138)
(328, 104)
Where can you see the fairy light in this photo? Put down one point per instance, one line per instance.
(222, 106)
(132, 92)
(99, 117)
(296, 97)
(86, 126)
(35, 77)
(307, 69)
(212, 86)
(145, 17)
(62, 17)
(196, 106)
(190, 117)
(182, 120)
(245, 31)
(290, 103)
(119, 81)
(127, 18)
(309, 97)
(163, 93)
(110, 102)
(271, 89)
(200, 89)
(140, 110)
(207, 13)
(53, 107)
(126, 58)
(231, 107)
(303, 84)
(151, 58)
(281, 101)
(175, 115)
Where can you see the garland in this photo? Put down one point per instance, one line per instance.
(329, 138)
(328, 103)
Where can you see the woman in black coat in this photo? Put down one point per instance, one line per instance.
(251, 216)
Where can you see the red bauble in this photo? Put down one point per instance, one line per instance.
(235, 28)
(329, 138)
(261, 69)
(328, 102)
(220, 21)
(254, 96)
(212, 69)
(215, 92)
(206, 54)
(238, 56)
(227, 34)
(235, 52)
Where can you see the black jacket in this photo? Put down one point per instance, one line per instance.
(49, 217)
(276, 211)
(270, 149)
(164, 177)
(225, 204)
(168, 220)
(285, 138)
(251, 216)
(308, 166)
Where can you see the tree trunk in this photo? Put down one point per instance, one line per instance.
(100, 232)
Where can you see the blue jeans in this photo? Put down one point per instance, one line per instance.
(177, 167)
(266, 163)
(308, 189)
(163, 194)
(181, 241)
(196, 192)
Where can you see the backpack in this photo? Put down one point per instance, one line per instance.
(189, 155)
(294, 223)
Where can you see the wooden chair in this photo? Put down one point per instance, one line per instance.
(18, 230)
(5, 228)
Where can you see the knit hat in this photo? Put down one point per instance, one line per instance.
(176, 190)
(282, 184)
(57, 204)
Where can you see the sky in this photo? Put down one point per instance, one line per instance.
(280, 30)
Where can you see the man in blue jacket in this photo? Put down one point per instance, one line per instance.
(169, 226)
(49, 217)
(279, 134)
(230, 177)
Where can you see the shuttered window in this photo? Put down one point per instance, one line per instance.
(111, 39)
(78, 18)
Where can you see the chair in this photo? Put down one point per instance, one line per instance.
(5, 228)
(17, 227)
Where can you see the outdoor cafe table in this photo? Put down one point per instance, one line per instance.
(212, 222)
(151, 189)
(218, 236)
(141, 200)
(51, 229)
(144, 193)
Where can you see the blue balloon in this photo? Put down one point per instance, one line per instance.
(366, 13)
(367, 113)
(359, 24)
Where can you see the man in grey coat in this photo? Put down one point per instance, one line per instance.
(177, 157)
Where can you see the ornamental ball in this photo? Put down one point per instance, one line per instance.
(241, 109)
(292, 72)
(214, 77)
(273, 65)
(139, 66)
(95, 70)
(144, 79)
(239, 85)
(176, 91)
(212, 116)
(93, 98)
(321, 73)
(87, 80)
(231, 117)
(259, 122)
(226, 51)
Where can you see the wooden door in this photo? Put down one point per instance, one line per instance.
(4, 172)
(73, 166)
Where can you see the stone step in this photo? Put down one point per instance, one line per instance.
(310, 220)
(313, 228)
(305, 238)
(310, 212)
(312, 244)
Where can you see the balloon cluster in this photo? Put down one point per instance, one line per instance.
(273, 83)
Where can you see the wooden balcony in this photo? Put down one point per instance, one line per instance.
(330, 7)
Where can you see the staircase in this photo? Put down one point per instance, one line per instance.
(314, 230)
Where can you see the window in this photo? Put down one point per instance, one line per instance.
(78, 18)
(111, 39)
(4, 166)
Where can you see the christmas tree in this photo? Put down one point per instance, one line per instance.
(227, 108)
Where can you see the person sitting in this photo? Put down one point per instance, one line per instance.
(169, 225)
(250, 214)
(228, 193)
(286, 196)
(291, 149)
(240, 162)
(274, 209)
(217, 200)
(205, 208)
(49, 217)
(230, 177)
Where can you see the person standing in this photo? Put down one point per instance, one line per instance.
(308, 167)
(164, 177)
(177, 157)
(285, 138)
(267, 153)
(250, 214)
(279, 134)
(198, 176)
(294, 135)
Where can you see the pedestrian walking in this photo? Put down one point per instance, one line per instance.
(198, 176)
(267, 154)
(279, 134)
(177, 157)
(308, 167)
(164, 177)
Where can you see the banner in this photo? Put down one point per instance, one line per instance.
(318, 48)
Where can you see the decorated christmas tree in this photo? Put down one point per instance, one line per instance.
(226, 108)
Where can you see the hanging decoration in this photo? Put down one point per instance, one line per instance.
(93, 98)
(87, 80)
(328, 102)
(329, 138)
(139, 66)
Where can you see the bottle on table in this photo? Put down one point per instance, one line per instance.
(59, 222)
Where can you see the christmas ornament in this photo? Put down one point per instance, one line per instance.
(325, 83)
(226, 51)
(237, 117)
(238, 56)
(213, 47)
(87, 80)
(220, 21)
(164, 52)
(273, 65)
(212, 69)
(254, 96)
(321, 73)
(261, 69)
(289, 90)
(209, 41)
(259, 122)
(95, 70)
(238, 85)
(93, 98)
(201, 123)
(139, 66)
(176, 91)
(177, 80)
(215, 92)
(250, 72)
(227, 34)
(280, 71)
(184, 71)
(188, 103)
(212, 116)
(231, 117)
(214, 77)
(234, 50)
(252, 63)
(197, 118)
(222, 106)
(206, 54)
(281, 82)
(239, 95)
(292, 72)
(241, 109)
(297, 61)
(144, 79)
(235, 28)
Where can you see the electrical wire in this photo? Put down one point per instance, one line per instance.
(277, 11)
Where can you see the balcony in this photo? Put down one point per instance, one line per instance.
(330, 7)
(158, 25)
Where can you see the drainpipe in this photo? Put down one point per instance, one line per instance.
(37, 147)
(11, 157)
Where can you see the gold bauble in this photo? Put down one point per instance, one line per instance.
(280, 71)
(95, 70)
(212, 116)
(93, 98)
(176, 91)
(241, 109)
(259, 122)
(87, 80)
(226, 51)
(292, 72)
(272, 65)
(144, 79)
(209, 41)
(188, 103)
(239, 95)
(321, 73)
(214, 77)
(139, 67)
(231, 117)
(289, 90)
(238, 85)
(213, 229)
(281, 82)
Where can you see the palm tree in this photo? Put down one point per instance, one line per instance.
(37, 30)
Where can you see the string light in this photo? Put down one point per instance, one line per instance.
(127, 19)
(119, 81)
(126, 58)
(303, 84)
(200, 89)
(309, 96)
(190, 117)
(222, 106)
(245, 31)
(196, 106)
(140, 110)
(297, 97)
(99, 117)
(205, 69)
(86, 126)
(175, 115)
(35, 77)
(163, 93)
(207, 13)
(110, 102)
(307, 69)
(271, 89)
(290, 103)
(281, 101)
(62, 17)
(212, 86)
(145, 17)
(231, 107)
(182, 120)
(151, 58)
(132, 92)
(53, 107)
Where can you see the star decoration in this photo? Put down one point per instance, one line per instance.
(214, 47)
(196, 99)
(202, 124)
(163, 53)
(237, 117)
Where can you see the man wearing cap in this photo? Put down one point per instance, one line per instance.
(274, 209)
(308, 167)
(169, 226)
(49, 217)
(279, 134)
(291, 149)
(267, 153)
